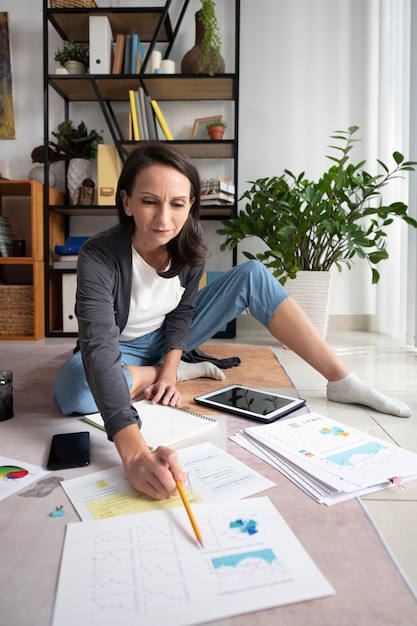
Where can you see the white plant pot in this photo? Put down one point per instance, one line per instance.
(78, 170)
(312, 292)
(75, 67)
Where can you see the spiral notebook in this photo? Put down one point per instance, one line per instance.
(163, 425)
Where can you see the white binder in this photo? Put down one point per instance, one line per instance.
(69, 286)
(101, 44)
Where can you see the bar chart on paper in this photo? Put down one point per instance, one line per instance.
(148, 568)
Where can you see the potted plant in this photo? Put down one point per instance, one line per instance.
(73, 56)
(78, 145)
(216, 128)
(315, 225)
(205, 56)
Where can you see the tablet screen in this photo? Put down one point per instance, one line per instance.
(248, 402)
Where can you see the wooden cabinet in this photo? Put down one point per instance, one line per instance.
(154, 27)
(22, 278)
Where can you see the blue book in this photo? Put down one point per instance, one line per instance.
(127, 63)
(133, 51)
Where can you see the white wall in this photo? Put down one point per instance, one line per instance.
(306, 69)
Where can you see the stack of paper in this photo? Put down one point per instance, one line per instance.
(330, 461)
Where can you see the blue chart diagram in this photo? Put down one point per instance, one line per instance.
(245, 526)
(249, 568)
(357, 456)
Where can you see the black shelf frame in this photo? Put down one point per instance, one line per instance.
(154, 26)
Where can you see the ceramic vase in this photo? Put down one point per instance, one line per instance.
(190, 63)
(78, 170)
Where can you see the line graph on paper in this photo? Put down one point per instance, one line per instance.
(134, 571)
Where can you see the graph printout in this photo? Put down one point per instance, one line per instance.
(148, 568)
(15, 475)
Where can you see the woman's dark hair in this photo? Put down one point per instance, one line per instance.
(188, 247)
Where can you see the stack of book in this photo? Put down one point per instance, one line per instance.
(217, 191)
(65, 262)
(144, 113)
(330, 461)
(129, 54)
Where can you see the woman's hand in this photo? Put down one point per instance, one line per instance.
(164, 392)
(155, 473)
(152, 473)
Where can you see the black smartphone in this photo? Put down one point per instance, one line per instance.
(69, 450)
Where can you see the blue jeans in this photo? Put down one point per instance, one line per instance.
(247, 286)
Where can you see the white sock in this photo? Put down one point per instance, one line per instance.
(352, 390)
(204, 369)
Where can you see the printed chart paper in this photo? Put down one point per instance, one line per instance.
(212, 473)
(149, 569)
(15, 475)
(329, 460)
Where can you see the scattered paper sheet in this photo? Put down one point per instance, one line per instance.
(327, 459)
(15, 475)
(149, 569)
(212, 473)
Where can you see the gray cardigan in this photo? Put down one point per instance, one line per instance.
(104, 278)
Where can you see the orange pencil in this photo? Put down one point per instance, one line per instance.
(189, 512)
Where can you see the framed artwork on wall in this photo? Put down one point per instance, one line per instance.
(7, 126)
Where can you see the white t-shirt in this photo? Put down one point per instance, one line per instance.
(151, 299)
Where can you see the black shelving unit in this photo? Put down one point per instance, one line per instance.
(154, 27)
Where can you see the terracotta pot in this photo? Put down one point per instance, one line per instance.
(216, 132)
(190, 63)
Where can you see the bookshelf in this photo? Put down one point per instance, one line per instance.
(154, 26)
(22, 278)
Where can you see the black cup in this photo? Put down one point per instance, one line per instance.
(6, 395)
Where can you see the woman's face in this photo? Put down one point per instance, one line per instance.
(159, 204)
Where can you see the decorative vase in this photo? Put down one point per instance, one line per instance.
(190, 63)
(215, 132)
(312, 292)
(38, 173)
(78, 170)
(75, 67)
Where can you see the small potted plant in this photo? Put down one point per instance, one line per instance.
(73, 56)
(78, 145)
(216, 128)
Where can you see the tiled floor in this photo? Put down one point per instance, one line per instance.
(392, 368)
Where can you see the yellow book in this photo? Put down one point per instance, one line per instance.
(134, 115)
(162, 120)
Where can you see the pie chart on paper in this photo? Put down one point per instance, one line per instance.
(249, 527)
(12, 472)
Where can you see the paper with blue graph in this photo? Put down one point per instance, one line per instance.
(148, 568)
(329, 460)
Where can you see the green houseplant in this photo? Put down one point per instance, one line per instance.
(73, 52)
(216, 128)
(314, 225)
(78, 145)
(76, 141)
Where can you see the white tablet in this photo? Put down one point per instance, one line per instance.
(255, 404)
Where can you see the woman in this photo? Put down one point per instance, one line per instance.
(138, 309)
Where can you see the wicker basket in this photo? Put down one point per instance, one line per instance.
(73, 4)
(16, 310)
